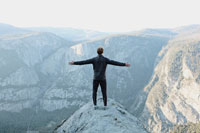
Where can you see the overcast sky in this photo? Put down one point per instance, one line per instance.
(101, 15)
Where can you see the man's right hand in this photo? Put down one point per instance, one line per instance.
(127, 65)
(71, 63)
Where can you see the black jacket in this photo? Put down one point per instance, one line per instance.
(99, 65)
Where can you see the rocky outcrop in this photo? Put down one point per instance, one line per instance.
(115, 119)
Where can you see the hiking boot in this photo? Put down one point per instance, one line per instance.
(105, 108)
(95, 107)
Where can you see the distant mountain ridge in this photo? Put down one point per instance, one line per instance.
(72, 34)
(9, 29)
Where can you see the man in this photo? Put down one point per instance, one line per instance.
(99, 66)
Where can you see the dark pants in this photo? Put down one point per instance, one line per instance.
(103, 90)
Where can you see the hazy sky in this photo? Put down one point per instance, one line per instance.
(102, 15)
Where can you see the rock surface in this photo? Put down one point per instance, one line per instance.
(173, 95)
(115, 119)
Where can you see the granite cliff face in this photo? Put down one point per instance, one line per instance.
(173, 95)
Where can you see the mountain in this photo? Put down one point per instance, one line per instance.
(169, 33)
(124, 84)
(72, 34)
(188, 29)
(38, 86)
(115, 119)
(187, 128)
(38, 82)
(9, 29)
(173, 95)
(21, 83)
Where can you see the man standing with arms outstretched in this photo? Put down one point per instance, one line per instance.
(99, 66)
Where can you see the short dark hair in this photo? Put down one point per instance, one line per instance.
(100, 50)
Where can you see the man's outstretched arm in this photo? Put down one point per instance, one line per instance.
(89, 61)
(116, 63)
